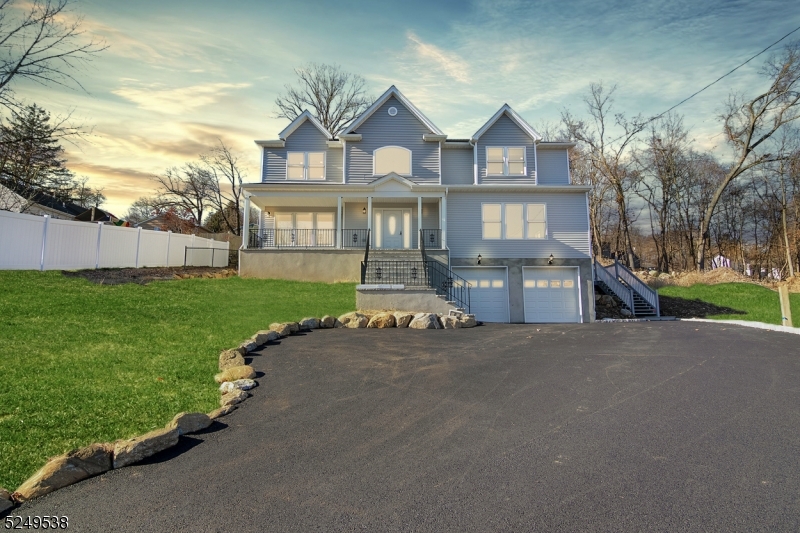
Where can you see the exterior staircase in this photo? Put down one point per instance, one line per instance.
(637, 297)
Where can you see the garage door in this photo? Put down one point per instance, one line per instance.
(489, 292)
(551, 294)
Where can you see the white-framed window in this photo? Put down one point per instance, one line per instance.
(514, 221)
(305, 165)
(391, 159)
(506, 161)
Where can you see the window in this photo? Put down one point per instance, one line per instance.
(506, 161)
(305, 165)
(392, 159)
(514, 221)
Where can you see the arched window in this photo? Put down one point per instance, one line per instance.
(392, 159)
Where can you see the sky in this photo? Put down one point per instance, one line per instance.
(178, 75)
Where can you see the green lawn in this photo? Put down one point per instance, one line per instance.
(758, 303)
(83, 363)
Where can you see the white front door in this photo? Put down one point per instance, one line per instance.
(551, 294)
(488, 294)
(392, 229)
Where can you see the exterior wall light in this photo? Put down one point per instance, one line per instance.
(364, 211)
(479, 259)
(550, 259)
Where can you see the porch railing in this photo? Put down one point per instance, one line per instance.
(431, 238)
(292, 238)
(354, 238)
(428, 273)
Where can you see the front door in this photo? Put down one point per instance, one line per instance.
(392, 230)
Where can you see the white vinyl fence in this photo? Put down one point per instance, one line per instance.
(31, 242)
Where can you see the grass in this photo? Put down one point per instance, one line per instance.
(758, 303)
(83, 363)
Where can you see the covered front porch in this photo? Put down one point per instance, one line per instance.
(392, 213)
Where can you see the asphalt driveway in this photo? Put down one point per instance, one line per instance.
(599, 427)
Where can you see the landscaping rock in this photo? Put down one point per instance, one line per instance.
(187, 423)
(222, 411)
(5, 500)
(248, 346)
(403, 319)
(606, 299)
(337, 324)
(65, 470)
(133, 450)
(425, 321)
(625, 312)
(230, 358)
(307, 324)
(282, 330)
(451, 322)
(382, 320)
(234, 373)
(233, 397)
(294, 327)
(468, 321)
(264, 336)
(354, 320)
(327, 321)
(241, 384)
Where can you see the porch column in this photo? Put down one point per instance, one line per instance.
(419, 222)
(338, 224)
(443, 221)
(246, 222)
(369, 218)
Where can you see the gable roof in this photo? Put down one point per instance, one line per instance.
(515, 118)
(392, 177)
(42, 198)
(296, 123)
(393, 91)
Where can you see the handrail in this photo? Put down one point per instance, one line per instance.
(366, 260)
(649, 295)
(422, 247)
(621, 291)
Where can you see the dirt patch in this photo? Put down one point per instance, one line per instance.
(682, 308)
(143, 276)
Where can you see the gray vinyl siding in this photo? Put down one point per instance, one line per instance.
(457, 167)
(553, 166)
(353, 217)
(505, 132)
(404, 130)
(567, 227)
(306, 138)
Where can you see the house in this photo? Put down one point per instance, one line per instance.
(494, 221)
(15, 198)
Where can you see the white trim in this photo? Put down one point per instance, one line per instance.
(338, 224)
(536, 163)
(507, 288)
(440, 162)
(569, 169)
(344, 161)
(505, 161)
(525, 221)
(271, 144)
(263, 168)
(475, 163)
(580, 294)
(392, 91)
(443, 220)
(246, 222)
(518, 120)
(298, 121)
(410, 161)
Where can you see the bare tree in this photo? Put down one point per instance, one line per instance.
(42, 42)
(609, 157)
(223, 165)
(141, 209)
(335, 97)
(749, 125)
(86, 196)
(187, 191)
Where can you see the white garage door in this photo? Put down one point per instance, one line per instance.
(551, 294)
(489, 292)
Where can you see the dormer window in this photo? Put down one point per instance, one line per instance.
(305, 165)
(392, 159)
(506, 161)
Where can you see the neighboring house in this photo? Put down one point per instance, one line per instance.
(39, 203)
(497, 211)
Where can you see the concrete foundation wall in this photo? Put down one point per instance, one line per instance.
(416, 300)
(515, 294)
(302, 265)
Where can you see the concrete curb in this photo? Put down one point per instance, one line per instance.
(747, 324)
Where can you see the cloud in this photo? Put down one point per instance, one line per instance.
(176, 100)
(449, 62)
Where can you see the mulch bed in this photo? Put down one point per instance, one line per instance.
(143, 276)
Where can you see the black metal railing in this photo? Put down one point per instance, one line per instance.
(292, 238)
(431, 238)
(428, 273)
(355, 238)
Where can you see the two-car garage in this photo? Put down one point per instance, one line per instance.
(549, 294)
